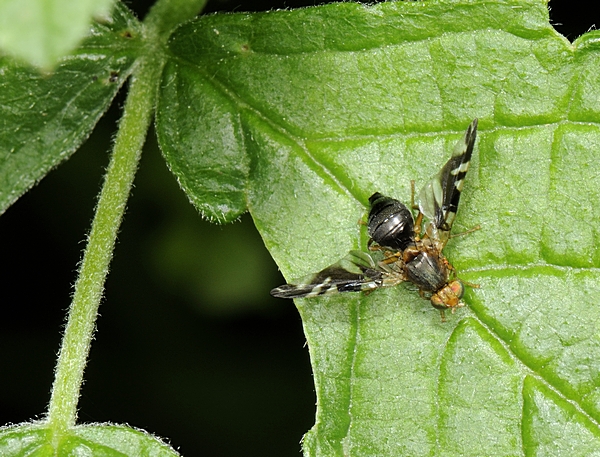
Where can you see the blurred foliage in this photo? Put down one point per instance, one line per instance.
(160, 334)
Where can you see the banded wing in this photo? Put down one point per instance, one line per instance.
(438, 200)
(357, 271)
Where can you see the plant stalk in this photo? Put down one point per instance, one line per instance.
(89, 287)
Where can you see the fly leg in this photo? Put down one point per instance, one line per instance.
(466, 232)
(453, 273)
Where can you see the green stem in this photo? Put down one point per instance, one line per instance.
(89, 287)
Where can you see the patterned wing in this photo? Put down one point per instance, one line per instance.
(356, 272)
(438, 200)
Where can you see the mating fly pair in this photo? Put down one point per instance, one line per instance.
(402, 248)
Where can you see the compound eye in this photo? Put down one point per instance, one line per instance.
(449, 296)
(438, 303)
(457, 288)
(444, 298)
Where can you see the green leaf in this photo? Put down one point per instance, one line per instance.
(90, 440)
(42, 31)
(301, 115)
(45, 118)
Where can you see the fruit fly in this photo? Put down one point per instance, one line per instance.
(403, 248)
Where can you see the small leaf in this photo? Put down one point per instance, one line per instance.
(45, 118)
(306, 113)
(104, 440)
(42, 31)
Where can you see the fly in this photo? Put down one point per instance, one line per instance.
(403, 248)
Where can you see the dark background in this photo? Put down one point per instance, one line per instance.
(190, 345)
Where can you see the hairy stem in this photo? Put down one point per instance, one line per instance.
(89, 286)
